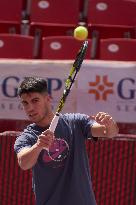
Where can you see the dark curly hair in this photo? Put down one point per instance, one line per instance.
(32, 84)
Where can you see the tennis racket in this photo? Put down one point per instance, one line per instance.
(60, 149)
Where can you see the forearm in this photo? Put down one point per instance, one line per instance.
(111, 131)
(104, 131)
(27, 157)
(98, 130)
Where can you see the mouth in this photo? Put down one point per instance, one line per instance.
(32, 115)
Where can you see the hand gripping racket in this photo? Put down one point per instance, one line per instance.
(59, 149)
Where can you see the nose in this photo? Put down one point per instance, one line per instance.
(29, 108)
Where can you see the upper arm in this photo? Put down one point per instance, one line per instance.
(23, 142)
(23, 151)
(84, 124)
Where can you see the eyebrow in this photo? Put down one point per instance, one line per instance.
(35, 98)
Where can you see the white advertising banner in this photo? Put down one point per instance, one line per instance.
(109, 87)
(100, 86)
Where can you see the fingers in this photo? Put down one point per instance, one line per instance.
(45, 139)
(104, 118)
(110, 126)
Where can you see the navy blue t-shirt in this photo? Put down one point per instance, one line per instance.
(68, 181)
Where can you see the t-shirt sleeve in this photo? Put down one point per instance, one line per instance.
(23, 140)
(86, 125)
(82, 125)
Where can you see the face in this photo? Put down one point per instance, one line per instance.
(37, 106)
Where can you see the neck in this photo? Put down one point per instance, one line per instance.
(46, 121)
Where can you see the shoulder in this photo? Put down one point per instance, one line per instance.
(27, 138)
(75, 116)
(29, 129)
(29, 133)
(33, 129)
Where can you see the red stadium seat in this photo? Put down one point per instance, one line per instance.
(117, 49)
(111, 31)
(6, 27)
(16, 46)
(62, 48)
(57, 12)
(51, 30)
(112, 19)
(11, 11)
(113, 12)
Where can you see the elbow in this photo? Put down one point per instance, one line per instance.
(23, 168)
(23, 165)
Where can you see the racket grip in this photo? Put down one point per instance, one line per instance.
(54, 122)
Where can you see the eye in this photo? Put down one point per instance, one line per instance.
(35, 100)
(24, 103)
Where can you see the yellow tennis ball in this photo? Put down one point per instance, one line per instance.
(80, 33)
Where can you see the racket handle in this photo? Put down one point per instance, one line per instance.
(54, 122)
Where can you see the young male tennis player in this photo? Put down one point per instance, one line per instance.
(61, 172)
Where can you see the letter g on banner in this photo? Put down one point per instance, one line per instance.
(126, 90)
(9, 86)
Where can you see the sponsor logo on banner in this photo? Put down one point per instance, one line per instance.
(101, 88)
(106, 90)
(10, 104)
